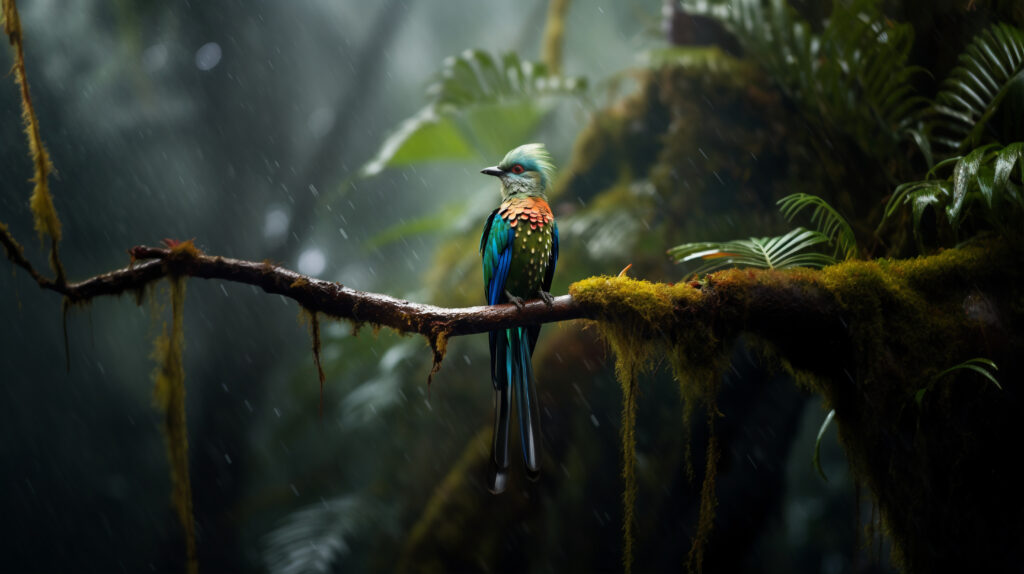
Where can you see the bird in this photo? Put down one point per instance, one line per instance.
(519, 247)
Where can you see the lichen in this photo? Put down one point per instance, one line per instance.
(169, 396)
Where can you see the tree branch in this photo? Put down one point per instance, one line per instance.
(315, 295)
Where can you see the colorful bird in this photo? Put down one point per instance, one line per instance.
(520, 248)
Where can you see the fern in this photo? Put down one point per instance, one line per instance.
(826, 219)
(778, 252)
(973, 91)
(317, 537)
(479, 104)
(853, 77)
(986, 173)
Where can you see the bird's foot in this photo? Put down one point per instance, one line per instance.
(517, 301)
(549, 300)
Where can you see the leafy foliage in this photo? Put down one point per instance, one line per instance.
(782, 251)
(853, 76)
(480, 103)
(779, 252)
(988, 70)
(816, 459)
(315, 538)
(985, 173)
(826, 219)
(980, 365)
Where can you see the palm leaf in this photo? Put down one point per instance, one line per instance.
(778, 252)
(826, 219)
(972, 92)
(479, 104)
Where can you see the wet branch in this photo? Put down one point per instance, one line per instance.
(315, 295)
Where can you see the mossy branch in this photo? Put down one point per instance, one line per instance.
(41, 202)
(817, 322)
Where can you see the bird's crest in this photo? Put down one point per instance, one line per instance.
(532, 156)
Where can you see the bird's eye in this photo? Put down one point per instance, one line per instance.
(517, 169)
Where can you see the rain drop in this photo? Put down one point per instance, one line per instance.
(312, 261)
(208, 56)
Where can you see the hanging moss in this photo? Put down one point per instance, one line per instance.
(642, 321)
(169, 396)
(314, 334)
(439, 345)
(866, 335)
(41, 202)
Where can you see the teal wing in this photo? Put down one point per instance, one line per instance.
(496, 249)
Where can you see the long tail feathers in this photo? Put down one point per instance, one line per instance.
(512, 373)
(497, 472)
(526, 401)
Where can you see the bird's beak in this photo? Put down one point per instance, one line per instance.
(495, 171)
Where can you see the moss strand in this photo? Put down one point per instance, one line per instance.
(41, 201)
(169, 396)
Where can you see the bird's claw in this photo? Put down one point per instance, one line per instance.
(548, 299)
(517, 301)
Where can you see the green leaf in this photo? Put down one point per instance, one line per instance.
(973, 91)
(817, 443)
(423, 137)
(1005, 159)
(986, 170)
(919, 395)
(965, 172)
(779, 252)
(825, 217)
(499, 127)
(982, 366)
(481, 105)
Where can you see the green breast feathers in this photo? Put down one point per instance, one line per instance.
(532, 220)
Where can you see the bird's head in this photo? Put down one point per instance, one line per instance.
(525, 171)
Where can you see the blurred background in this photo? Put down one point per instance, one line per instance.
(343, 139)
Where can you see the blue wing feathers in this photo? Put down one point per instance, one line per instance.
(496, 246)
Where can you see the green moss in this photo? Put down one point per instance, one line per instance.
(41, 201)
(169, 396)
(438, 341)
(642, 321)
(898, 323)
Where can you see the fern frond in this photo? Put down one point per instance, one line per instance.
(826, 219)
(780, 252)
(972, 92)
(853, 76)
